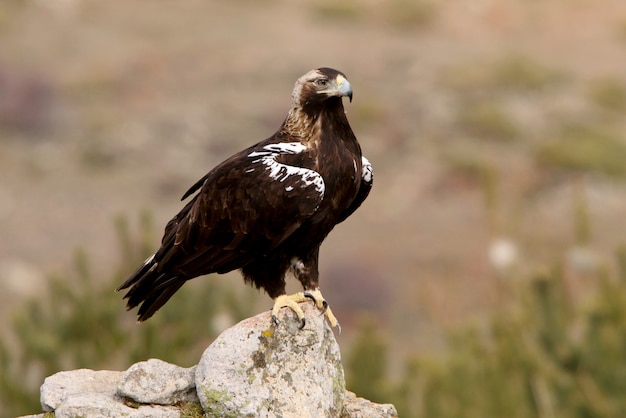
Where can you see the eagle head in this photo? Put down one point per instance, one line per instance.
(317, 86)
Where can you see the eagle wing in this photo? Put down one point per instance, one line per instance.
(244, 208)
(367, 180)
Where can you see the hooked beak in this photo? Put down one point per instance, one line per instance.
(343, 87)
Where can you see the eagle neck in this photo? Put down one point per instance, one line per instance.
(307, 122)
(300, 125)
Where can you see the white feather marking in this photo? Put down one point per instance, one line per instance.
(297, 264)
(367, 171)
(281, 172)
(149, 260)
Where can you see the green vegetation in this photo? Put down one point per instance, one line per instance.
(487, 120)
(520, 73)
(411, 14)
(344, 10)
(546, 355)
(80, 322)
(609, 94)
(191, 410)
(365, 372)
(586, 149)
(512, 73)
(399, 14)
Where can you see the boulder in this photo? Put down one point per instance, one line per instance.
(89, 393)
(57, 388)
(355, 407)
(257, 368)
(158, 382)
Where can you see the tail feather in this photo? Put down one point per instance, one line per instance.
(156, 300)
(150, 288)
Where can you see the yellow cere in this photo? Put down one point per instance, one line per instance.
(340, 80)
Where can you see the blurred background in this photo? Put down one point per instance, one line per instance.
(485, 276)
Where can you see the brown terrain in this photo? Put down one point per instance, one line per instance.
(465, 109)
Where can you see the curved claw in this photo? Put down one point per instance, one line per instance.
(322, 305)
(317, 302)
(325, 307)
(292, 301)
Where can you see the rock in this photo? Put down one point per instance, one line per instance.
(90, 393)
(259, 369)
(158, 382)
(355, 407)
(102, 406)
(57, 388)
(255, 368)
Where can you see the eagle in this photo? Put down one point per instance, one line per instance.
(266, 210)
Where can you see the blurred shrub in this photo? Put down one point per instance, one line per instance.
(520, 73)
(583, 148)
(544, 356)
(80, 322)
(609, 94)
(338, 10)
(399, 14)
(407, 14)
(511, 73)
(488, 120)
(367, 367)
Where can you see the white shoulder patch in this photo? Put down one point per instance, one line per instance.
(281, 172)
(367, 171)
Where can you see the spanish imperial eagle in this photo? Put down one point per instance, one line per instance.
(267, 209)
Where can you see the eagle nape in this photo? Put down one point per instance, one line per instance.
(292, 301)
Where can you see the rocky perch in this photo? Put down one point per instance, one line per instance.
(253, 369)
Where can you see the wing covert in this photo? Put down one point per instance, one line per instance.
(246, 206)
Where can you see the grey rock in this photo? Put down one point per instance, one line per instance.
(259, 369)
(154, 411)
(100, 405)
(253, 369)
(89, 393)
(60, 386)
(355, 407)
(158, 382)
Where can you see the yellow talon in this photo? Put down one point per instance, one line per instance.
(292, 301)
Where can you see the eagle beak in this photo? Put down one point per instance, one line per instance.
(343, 87)
(340, 87)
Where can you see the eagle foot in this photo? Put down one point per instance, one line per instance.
(322, 305)
(292, 301)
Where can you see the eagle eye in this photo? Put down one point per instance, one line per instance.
(321, 82)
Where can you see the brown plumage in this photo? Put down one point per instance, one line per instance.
(267, 209)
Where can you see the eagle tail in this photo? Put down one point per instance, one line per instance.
(149, 288)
